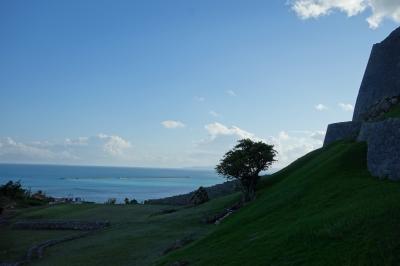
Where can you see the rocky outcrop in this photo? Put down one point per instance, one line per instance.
(342, 131)
(383, 139)
(382, 75)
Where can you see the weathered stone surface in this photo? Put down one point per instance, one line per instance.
(382, 76)
(342, 131)
(377, 111)
(383, 139)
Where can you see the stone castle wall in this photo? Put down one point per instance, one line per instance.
(382, 75)
(342, 131)
(379, 93)
(383, 139)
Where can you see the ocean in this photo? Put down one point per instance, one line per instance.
(97, 184)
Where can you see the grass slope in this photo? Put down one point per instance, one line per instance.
(325, 209)
(138, 234)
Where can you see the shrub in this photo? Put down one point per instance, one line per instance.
(13, 190)
(111, 201)
(200, 196)
(133, 201)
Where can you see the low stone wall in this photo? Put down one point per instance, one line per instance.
(184, 199)
(61, 225)
(342, 131)
(383, 139)
(37, 250)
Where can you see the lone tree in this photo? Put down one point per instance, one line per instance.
(245, 162)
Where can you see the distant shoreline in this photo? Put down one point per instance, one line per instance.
(194, 168)
(98, 184)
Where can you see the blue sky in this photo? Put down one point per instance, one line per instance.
(176, 83)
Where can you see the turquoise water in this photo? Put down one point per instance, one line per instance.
(98, 184)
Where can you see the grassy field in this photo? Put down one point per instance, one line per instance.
(138, 234)
(324, 209)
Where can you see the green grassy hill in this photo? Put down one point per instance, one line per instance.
(325, 209)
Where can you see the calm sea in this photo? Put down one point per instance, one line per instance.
(98, 184)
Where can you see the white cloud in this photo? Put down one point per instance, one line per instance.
(283, 135)
(172, 124)
(81, 141)
(106, 149)
(217, 129)
(294, 145)
(290, 145)
(231, 93)
(114, 145)
(346, 107)
(12, 150)
(318, 135)
(380, 9)
(100, 149)
(321, 107)
(214, 114)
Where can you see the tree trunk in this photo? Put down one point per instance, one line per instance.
(249, 188)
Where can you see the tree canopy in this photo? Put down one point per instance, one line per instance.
(245, 162)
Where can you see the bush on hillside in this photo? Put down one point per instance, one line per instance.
(12, 195)
(200, 196)
(133, 201)
(14, 190)
(111, 201)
